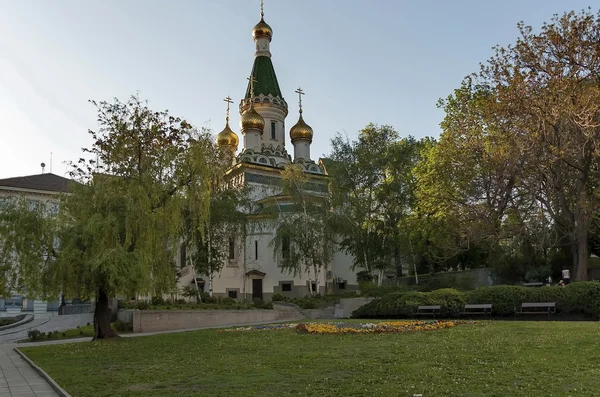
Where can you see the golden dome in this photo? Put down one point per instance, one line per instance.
(301, 131)
(251, 120)
(262, 29)
(228, 138)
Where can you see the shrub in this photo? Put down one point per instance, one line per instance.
(582, 298)
(278, 298)
(142, 305)
(364, 276)
(35, 334)
(228, 301)
(121, 326)
(157, 301)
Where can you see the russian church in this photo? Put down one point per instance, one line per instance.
(253, 270)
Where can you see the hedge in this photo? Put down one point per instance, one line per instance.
(582, 298)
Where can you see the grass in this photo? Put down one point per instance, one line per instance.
(9, 320)
(487, 358)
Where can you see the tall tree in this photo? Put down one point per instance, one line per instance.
(358, 170)
(303, 230)
(212, 239)
(545, 94)
(122, 223)
(27, 246)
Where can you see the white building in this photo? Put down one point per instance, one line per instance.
(253, 271)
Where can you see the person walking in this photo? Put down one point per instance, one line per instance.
(566, 276)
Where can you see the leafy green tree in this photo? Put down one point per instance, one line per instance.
(304, 236)
(537, 104)
(121, 224)
(27, 246)
(212, 238)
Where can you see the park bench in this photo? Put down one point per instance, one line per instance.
(533, 285)
(538, 308)
(427, 311)
(485, 309)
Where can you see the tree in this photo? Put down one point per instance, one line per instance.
(212, 237)
(373, 189)
(543, 96)
(303, 233)
(27, 246)
(358, 170)
(120, 226)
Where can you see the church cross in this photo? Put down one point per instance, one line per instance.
(262, 11)
(252, 81)
(300, 93)
(229, 101)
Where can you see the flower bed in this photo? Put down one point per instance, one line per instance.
(355, 328)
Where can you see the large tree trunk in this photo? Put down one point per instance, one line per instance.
(102, 329)
(397, 262)
(581, 268)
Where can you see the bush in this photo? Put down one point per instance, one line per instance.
(582, 298)
(157, 301)
(142, 305)
(121, 326)
(278, 298)
(35, 334)
(228, 301)
(364, 276)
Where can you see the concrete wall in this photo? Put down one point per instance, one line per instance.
(76, 309)
(164, 320)
(345, 308)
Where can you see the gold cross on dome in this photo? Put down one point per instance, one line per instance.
(229, 101)
(252, 81)
(300, 93)
(262, 11)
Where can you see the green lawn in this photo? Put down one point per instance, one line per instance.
(486, 359)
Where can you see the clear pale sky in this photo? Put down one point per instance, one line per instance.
(378, 61)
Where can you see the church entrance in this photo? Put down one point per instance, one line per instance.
(257, 288)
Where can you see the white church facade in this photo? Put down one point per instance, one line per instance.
(253, 270)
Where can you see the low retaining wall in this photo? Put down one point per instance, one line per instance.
(346, 306)
(76, 309)
(167, 320)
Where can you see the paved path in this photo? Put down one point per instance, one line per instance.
(17, 378)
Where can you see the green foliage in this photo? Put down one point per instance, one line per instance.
(582, 298)
(373, 187)
(141, 305)
(304, 237)
(27, 246)
(277, 298)
(364, 276)
(35, 335)
(121, 326)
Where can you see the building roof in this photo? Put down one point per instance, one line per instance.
(42, 182)
(266, 80)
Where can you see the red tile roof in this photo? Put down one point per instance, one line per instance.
(43, 182)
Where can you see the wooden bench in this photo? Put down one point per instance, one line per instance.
(427, 311)
(538, 308)
(485, 309)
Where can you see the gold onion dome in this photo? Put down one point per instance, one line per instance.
(301, 131)
(262, 29)
(251, 120)
(227, 137)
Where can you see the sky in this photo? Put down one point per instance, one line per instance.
(381, 61)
